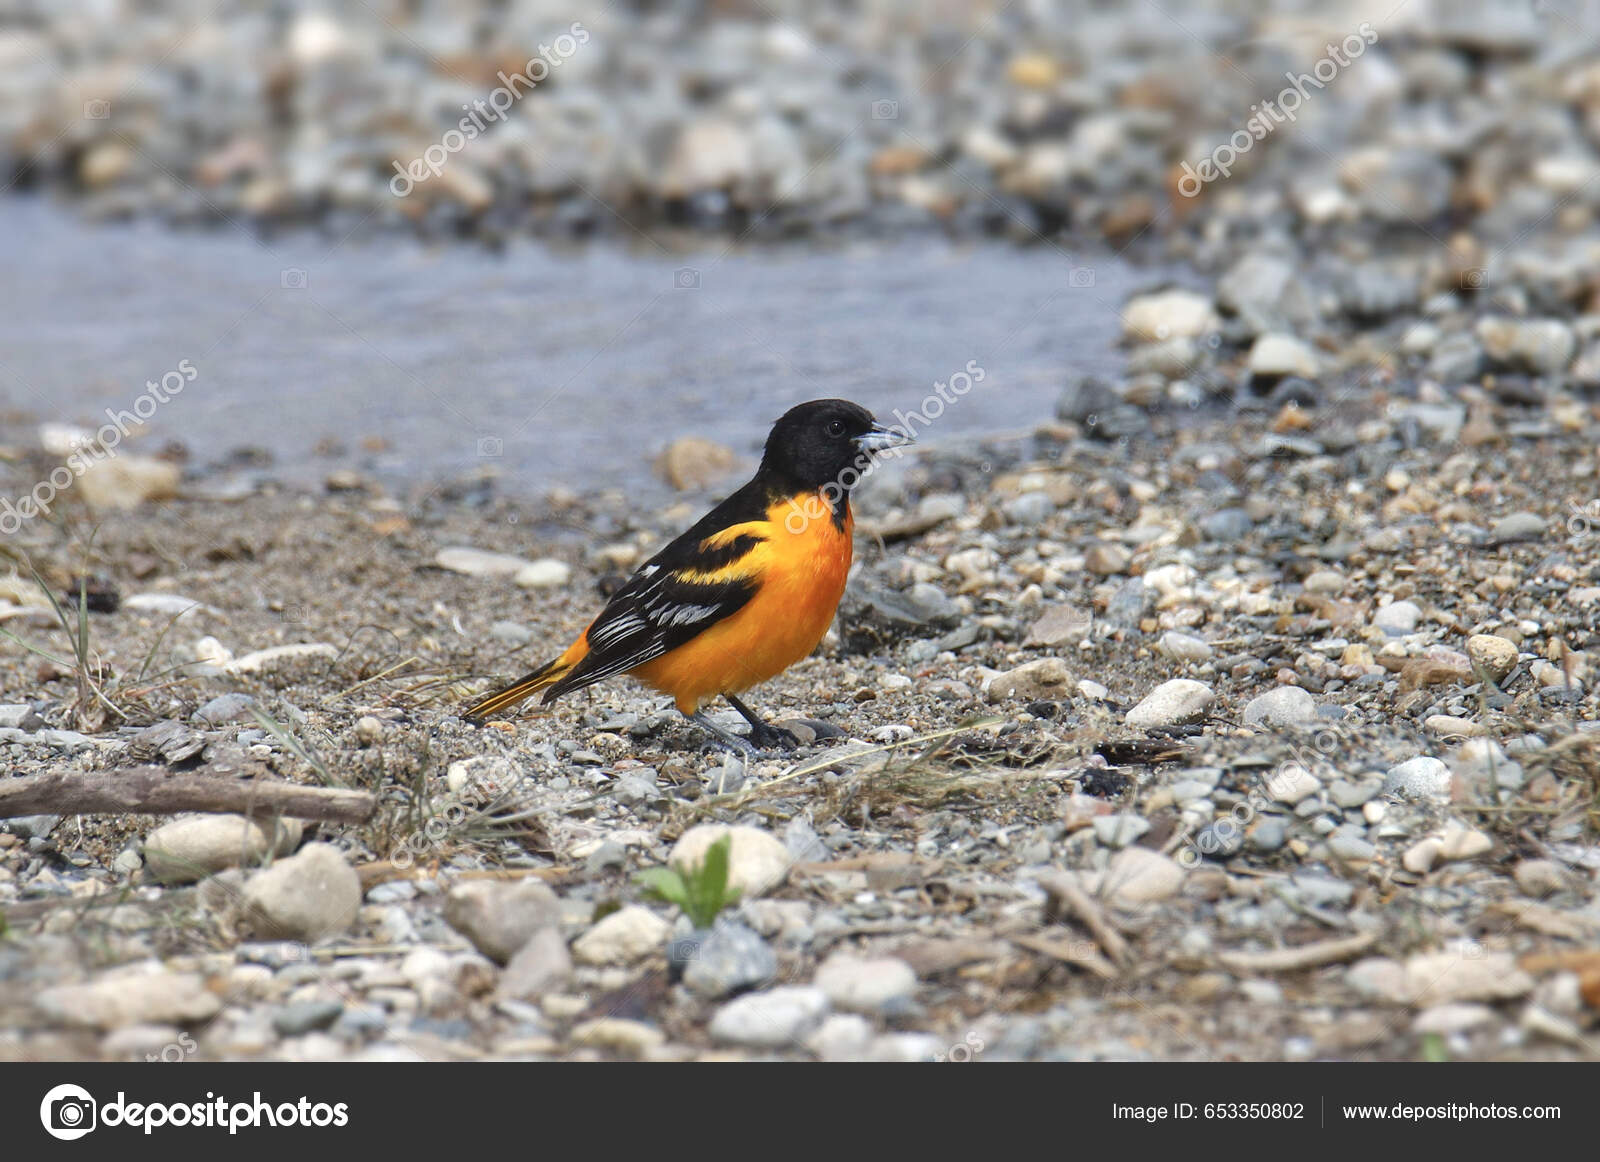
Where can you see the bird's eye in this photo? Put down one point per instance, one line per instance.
(836, 428)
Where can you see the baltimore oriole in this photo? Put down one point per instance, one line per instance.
(744, 594)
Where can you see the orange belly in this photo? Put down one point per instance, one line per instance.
(805, 566)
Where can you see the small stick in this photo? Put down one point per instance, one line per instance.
(151, 790)
(1294, 959)
(1063, 891)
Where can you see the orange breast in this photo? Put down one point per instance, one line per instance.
(802, 568)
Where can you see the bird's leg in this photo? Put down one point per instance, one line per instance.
(763, 734)
(728, 739)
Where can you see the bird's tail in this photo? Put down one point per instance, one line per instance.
(545, 676)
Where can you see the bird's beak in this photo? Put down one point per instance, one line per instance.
(879, 438)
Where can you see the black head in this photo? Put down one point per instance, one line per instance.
(825, 441)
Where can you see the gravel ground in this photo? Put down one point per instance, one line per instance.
(1245, 708)
(1220, 743)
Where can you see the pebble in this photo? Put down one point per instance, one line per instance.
(1184, 647)
(499, 917)
(1040, 680)
(1539, 877)
(125, 482)
(1220, 839)
(1540, 346)
(1460, 843)
(1327, 581)
(842, 1037)
(1060, 625)
(1119, 830)
(1107, 560)
(541, 965)
(139, 995)
(1275, 355)
(1423, 777)
(543, 574)
(479, 563)
(730, 958)
(1137, 875)
(1287, 706)
(1292, 784)
(1346, 794)
(299, 1019)
(282, 658)
(1268, 833)
(309, 895)
(226, 708)
(191, 848)
(1467, 975)
(1448, 1019)
(879, 986)
(623, 937)
(1155, 318)
(1352, 849)
(618, 1035)
(1173, 703)
(1398, 618)
(758, 862)
(775, 1019)
(1519, 526)
(1493, 656)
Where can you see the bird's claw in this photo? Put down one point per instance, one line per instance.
(773, 738)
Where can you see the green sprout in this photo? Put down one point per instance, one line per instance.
(700, 892)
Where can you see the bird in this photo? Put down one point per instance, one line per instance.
(749, 590)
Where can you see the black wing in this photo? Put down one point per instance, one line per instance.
(662, 606)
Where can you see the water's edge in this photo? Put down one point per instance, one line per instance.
(556, 369)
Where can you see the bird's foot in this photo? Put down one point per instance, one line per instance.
(769, 737)
(725, 739)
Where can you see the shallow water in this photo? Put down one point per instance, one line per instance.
(554, 368)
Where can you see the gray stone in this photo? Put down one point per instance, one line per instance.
(192, 848)
(541, 965)
(498, 917)
(1398, 618)
(1518, 526)
(1119, 830)
(1173, 703)
(1286, 706)
(1227, 525)
(758, 862)
(1423, 777)
(1045, 678)
(880, 986)
(226, 708)
(623, 937)
(1031, 508)
(298, 1019)
(728, 959)
(775, 1019)
(142, 995)
(312, 894)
